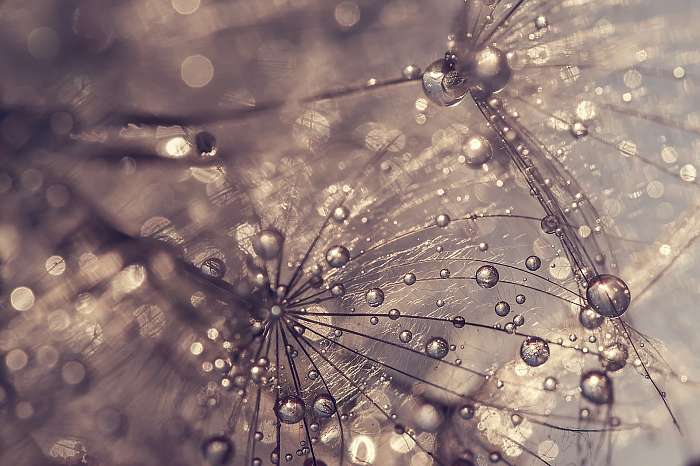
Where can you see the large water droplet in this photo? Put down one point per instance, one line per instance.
(608, 295)
(437, 348)
(268, 244)
(289, 409)
(596, 387)
(614, 357)
(217, 450)
(374, 297)
(534, 351)
(324, 406)
(589, 318)
(487, 276)
(337, 256)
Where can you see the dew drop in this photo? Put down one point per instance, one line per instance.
(289, 409)
(409, 279)
(550, 384)
(337, 256)
(324, 406)
(217, 450)
(374, 297)
(268, 244)
(405, 336)
(487, 276)
(467, 412)
(614, 357)
(502, 308)
(596, 387)
(437, 348)
(442, 220)
(477, 150)
(589, 318)
(533, 263)
(534, 351)
(549, 224)
(608, 295)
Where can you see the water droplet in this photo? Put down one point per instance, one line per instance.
(458, 322)
(467, 412)
(217, 450)
(374, 297)
(520, 299)
(589, 318)
(608, 295)
(411, 72)
(487, 276)
(578, 129)
(444, 273)
(533, 263)
(614, 357)
(324, 406)
(338, 290)
(477, 150)
(268, 244)
(340, 214)
(541, 22)
(409, 279)
(442, 220)
(437, 348)
(434, 85)
(289, 409)
(550, 384)
(518, 320)
(490, 70)
(549, 224)
(206, 144)
(502, 308)
(596, 387)
(213, 267)
(394, 314)
(405, 336)
(337, 256)
(534, 351)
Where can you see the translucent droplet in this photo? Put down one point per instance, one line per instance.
(411, 72)
(289, 409)
(533, 263)
(394, 314)
(608, 295)
(477, 150)
(337, 256)
(409, 279)
(405, 336)
(550, 384)
(487, 276)
(467, 411)
(490, 71)
(213, 267)
(589, 318)
(374, 297)
(596, 387)
(217, 450)
(340, 214)
(534, 351)
(338, 290)
(520, 298)
(442, 220)
(324, 406)
(268, 244)
(614, 357)
(578, 129)
(549, 224)
(434, 85)
(437, 347)
(502, 308)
